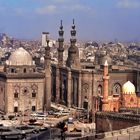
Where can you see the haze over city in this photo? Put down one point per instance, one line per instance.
(95, 19)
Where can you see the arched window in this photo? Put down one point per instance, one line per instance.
(34, 90)
(12, 70)
(33, 108)
(24, 70)
(33, 93)
(99, 90)
(15, 106)
(85, 88)
(116, 89)
(25, 90)
(15, 95)
(131, 100)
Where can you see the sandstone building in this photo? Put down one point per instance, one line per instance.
(22, 87)
(100, 86)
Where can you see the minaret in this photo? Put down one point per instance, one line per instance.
(60, 62)
(47, 75)
(105, 87)
(73, 53)
(61, 42)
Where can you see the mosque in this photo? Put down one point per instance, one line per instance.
(22, 87)
(126, 99)
(104, 86)
(101, 86)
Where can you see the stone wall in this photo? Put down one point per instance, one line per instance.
(24, 88)
(110, 121)
(130, 133)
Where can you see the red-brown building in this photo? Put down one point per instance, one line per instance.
(126, 99)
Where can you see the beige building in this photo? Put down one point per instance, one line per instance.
(22, 87)
(71, 83)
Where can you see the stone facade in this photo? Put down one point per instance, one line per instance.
(71, 83)
(75, 84)
(21, 85)
(81, 86)
(24, 94)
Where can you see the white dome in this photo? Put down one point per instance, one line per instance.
(128, 88)
(20, 57)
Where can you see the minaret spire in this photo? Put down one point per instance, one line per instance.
(73, 33)
(61, 42)
(73, 52)
(61, 24)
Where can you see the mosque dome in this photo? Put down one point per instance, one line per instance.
(128, 88)
(20, 57)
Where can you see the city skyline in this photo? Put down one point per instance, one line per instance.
(95, 20)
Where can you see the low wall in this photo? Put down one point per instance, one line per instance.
(130, 133)
(110, 121)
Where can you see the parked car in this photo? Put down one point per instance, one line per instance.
(39, 115)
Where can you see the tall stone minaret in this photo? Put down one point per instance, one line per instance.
(73, 53)
(105, 87)
(47, 75)
(60, 62)
(61, 48)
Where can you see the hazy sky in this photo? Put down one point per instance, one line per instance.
(95, 19)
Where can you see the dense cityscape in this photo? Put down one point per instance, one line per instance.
(66, 78)
(77, 95)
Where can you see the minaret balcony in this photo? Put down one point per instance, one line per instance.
(60, 49)
(61, 39)
(61, 32)
(73, 40)
(106, 77)
(105, 101)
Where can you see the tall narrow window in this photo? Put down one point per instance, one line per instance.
(24, 70)
(15, 109)
(117, 89)
(33, 93)
(33, 108)
(99, 90)
(12, 70)
(15, 95)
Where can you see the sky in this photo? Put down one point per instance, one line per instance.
(96, 20)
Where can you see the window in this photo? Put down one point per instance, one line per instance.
(15, 109)
(33, 94)
(12, 70)
(33, 69)
(15, 95)
(131, 100)
(1, 89)
(99, 90)
(25, 90)
(24, 70)
(117, 89)
(33, 108)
